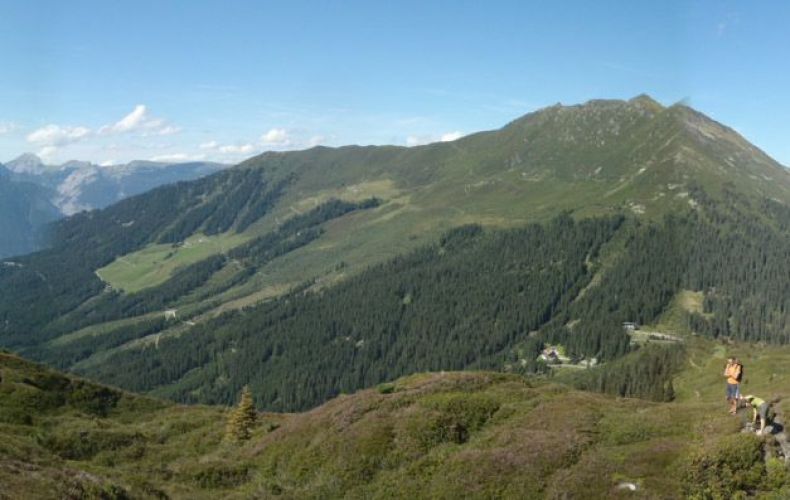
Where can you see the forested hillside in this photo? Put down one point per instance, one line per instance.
(40, 287)
(458, 304)
(311, 273)
(475, 300)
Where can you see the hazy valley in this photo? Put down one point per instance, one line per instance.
(37, 194)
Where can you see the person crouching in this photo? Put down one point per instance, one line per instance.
(760, 408)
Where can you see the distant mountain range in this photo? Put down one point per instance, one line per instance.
(25, 209)
(34, 193)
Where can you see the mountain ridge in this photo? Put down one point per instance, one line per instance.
(648, 191)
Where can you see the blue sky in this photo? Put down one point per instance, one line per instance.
(115, 81)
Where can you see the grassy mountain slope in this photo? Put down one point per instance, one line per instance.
(439, 435)
(284, 223)
(597, 158)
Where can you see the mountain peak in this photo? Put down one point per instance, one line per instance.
(643, 99)
(28, 157)
(26, 163)
(646, 101)
(75, 164)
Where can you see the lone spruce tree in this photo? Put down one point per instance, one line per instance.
(242, 419)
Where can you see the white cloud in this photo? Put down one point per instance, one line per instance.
(169, 130)
(107, 163)
(316, 140)
(276, 137)
(421, 140)
(140, 121)
(229, 149)
(7, 127)
(55, 135)
(451, 136)
(417, 140)
(240, 149)
(130, 122)
(53, 139)
(47, 153)
(176, 157)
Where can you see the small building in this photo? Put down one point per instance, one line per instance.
(550, 354)
(171, 314)
(630, 327)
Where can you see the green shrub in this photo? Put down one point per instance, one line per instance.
(631, 427)
(452, 417)
(16, 407)
(777, 475)
(173, 429)
(365, 455)
(386, 388)
(471, 410)
(27, 399)
(141, 488)
(92, 399)
(49, 382)
(222, 476)
(77, 488)
(731, 468)
(84, 445)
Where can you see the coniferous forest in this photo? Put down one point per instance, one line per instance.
(478, 299)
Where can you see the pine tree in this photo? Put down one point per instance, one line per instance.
(242, 419)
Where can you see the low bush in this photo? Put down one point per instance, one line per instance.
(732, 468)
(386, 388)
(92, 399)
(777, 477)
(452, 417)
(222, 476)
(84, 445)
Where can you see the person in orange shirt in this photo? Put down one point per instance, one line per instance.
(733, 372)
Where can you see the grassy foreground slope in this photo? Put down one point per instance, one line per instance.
(433, 435)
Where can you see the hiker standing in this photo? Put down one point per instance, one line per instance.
(760, 408)
(733, 372)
